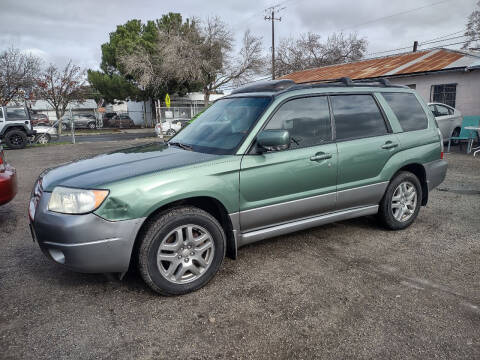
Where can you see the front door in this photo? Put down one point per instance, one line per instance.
(281, 186)
(365, 144)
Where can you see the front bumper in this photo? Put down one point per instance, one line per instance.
(435, 173)
(84, 243)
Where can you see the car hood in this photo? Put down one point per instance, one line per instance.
(119, 165)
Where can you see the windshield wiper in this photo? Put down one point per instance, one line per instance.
(182, 146)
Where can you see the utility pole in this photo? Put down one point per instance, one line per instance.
(272, 10)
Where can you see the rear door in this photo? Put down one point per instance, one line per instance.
(445, 120)
(365, 143)
(282, 186)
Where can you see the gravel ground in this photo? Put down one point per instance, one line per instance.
(345, 290)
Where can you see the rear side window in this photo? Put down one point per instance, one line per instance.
(1, 113)
(16, 113)
(357, 116)
(408, 111)
(306, 119)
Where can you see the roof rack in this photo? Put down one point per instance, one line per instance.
(281, 86)
(265, 86)
(345, 82)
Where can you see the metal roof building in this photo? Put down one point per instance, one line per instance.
(440, 75)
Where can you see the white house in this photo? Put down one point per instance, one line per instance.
(440, 75)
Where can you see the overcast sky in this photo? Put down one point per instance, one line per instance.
(62, 30)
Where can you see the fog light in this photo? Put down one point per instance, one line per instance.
(57, 255)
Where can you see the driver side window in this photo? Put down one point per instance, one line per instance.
(306, 119)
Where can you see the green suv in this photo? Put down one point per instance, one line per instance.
(269, 159)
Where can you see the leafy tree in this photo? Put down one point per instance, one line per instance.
(168, 68)
(113, 86)
(472, 31)
(308, 51)
(17, 74)
(125, 40)
(60, 87)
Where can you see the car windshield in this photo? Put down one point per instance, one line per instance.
(222, 127)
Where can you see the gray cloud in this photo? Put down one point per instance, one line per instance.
(62, 30)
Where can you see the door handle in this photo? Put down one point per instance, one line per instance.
(321, 156)
(389, 145)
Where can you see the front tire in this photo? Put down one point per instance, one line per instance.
(401, 202)
(16, 139)
(43, 139)
(171, 132)
(180, 250)
(92, 126)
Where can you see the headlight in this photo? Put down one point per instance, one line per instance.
(75, 201)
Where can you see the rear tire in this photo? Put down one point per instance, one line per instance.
(401, 202)
(16, 139)
(171, 132)
(92, 126)
(180, 250)
(456, 133)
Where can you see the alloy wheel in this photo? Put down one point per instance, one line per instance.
(185, 254)
(16, 139)
(404, 201)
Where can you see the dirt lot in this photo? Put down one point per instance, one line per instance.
(346, 290)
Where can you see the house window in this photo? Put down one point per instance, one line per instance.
(444, 94)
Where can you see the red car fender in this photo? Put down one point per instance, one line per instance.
(8, 183)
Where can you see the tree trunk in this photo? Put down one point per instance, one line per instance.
(59, 128)
(206, 97)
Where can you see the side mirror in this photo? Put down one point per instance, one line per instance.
(273, 140)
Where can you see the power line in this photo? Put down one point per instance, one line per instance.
(425, 42)
(395, 14)
(436, 41)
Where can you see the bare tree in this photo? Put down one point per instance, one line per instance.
(218, 65)
(61, 87)
(201, 54)
(17, 74)
(308, 51)
(472, 31)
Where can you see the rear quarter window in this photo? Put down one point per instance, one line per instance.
(408, 111)
(16, 113)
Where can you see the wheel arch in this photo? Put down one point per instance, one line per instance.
(9, 127)
(419, 171)
(207, 203)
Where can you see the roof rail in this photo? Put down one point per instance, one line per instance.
(284, 85)
(344, 82)
(266, 86)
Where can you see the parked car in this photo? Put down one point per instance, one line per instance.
(449, 120)
(39, 120)
(171, 126)
(107, 117)
(15, 126)
(8, 179)
(44, 134)
(122, 121)
(85, 121)
(269, 159)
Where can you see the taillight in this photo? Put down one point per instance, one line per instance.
(2, 156)
(441, 143)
